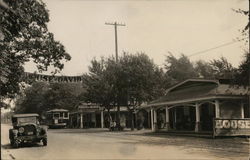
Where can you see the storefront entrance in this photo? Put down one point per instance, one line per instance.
(182, 118)
(207, 114)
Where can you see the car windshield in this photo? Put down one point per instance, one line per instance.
(22, 120)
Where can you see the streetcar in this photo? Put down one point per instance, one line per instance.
(57, 118)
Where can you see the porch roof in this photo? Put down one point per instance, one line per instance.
(57, 110)
(193, 90)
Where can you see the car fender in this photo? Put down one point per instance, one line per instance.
(44, 127)
(12, 133)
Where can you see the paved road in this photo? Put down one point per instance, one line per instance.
(98, 144)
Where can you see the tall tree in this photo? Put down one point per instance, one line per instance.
(99, 84)
(243, 72)
(222, 69)
(140, 79)
(25, 37)
(179, 69)
(32, 101)
(132, 80)
(245, 31)
(204, 69)
(243, 75)
(41, 97)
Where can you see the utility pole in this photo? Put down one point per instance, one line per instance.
(116, 44)
(116, 58)
(248, 68)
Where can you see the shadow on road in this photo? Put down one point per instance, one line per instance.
(88, 130)
(6, 146)
(27, 145)
(221, 146)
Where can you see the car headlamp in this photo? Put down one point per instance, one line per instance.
(15, 131)
(21, 130)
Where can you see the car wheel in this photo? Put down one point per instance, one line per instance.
(11, 143)
(15, 144)
(45, 141)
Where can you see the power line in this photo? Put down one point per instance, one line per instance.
(223, 45)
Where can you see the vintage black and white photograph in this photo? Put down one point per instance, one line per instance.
(124, 80)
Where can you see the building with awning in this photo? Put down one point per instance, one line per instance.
(92, 115)
(201, 105)
(86, 115)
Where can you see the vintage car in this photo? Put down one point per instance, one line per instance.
(26, 129)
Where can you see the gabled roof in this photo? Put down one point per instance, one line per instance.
(199, 89)
(191, 80)
(25, 115)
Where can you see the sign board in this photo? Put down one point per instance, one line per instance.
(87, 110)
(52, 78)
(232, 127)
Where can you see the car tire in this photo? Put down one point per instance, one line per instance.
(15, 144)
(45, 142)
(11, 143)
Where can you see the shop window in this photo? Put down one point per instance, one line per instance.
(61, 114)
(246, 111)
(56, 115)
(65, 115)
(211, 110)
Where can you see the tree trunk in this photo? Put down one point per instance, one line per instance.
(249, 84)
(248, 105)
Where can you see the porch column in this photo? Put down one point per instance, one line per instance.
(81, 120)
(152, 119)
(102, 121)
(242, 109)
(155, 120)
(148, 111)
(71, 121)
(175, 118)
(217, 109)
(93, 119)
(197, 116)
(167, 119)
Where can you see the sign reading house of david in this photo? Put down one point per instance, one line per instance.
(232, 127)
(51, 78)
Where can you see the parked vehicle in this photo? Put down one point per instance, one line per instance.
(57, 118)
(26, 129)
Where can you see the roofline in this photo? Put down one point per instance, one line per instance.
(58, 110)
(26, 115)
(191, 79)
(192, 100)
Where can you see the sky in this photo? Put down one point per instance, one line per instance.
(154, 27)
